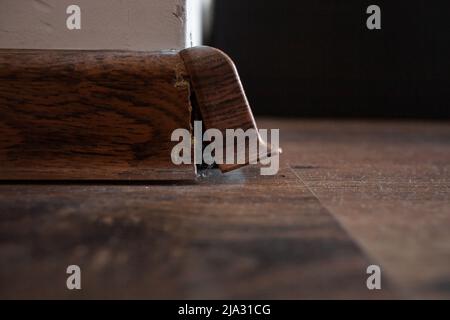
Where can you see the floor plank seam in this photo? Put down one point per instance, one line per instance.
(397, 289)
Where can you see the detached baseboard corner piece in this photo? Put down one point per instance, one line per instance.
(109, 115)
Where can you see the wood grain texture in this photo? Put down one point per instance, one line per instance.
(388, 184)
(110, 115)
(236, 235)
(221, 98)
(349, 194)
(91, 114)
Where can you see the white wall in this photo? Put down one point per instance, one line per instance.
(105, 24)
(194, 22)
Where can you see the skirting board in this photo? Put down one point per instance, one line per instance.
(109, 115)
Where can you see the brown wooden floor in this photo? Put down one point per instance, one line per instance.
(349, 194)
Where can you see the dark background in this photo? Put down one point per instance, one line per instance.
(317, 57)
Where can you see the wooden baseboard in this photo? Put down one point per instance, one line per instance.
(108, 115)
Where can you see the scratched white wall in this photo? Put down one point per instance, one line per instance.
(105, 24)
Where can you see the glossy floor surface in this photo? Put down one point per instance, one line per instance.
(349, 194)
